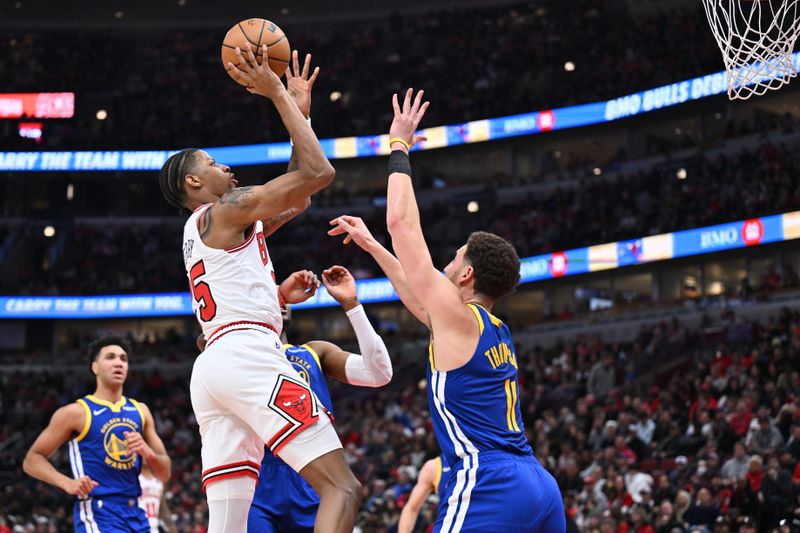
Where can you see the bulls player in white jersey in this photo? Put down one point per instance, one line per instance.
(153, 502)
(244, 391)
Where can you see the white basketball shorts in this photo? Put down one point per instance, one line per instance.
(245, 394)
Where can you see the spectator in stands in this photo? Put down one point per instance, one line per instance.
(703, 512)
(736, 467)
(765, 439)
(602, 377)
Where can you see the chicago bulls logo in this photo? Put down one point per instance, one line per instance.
(298, 405)
(294, 402)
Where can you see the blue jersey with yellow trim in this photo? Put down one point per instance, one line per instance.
(99, 450)
(283, 500)
(475, 408)
(306, 361)
(440, 481)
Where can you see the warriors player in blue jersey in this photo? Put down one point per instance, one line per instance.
(109, 436)
(495, 482)
(430, 480)
(284, 502)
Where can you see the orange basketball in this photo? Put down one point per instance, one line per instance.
(257, 32)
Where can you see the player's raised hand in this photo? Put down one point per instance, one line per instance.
(80, 487)
(354, 229)
(136, 444)
(259, 79)
(341, 284)
(407, 118)
(299, 83)
(299, 287)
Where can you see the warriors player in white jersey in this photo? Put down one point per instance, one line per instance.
(153, 502)
(244, 391)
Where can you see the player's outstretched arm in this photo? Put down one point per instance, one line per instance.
(242, 206)
(372, 367)
(425, 483)
(440, 298)
(65, 422)
(298, 84)
(150, 447)
(357, 232)
(165, 515)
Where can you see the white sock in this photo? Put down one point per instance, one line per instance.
(229, 504)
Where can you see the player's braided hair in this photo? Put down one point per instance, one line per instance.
(172, 174)
(495, 262)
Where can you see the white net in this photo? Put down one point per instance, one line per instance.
(757, 39)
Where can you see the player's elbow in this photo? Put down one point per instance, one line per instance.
(28, 462)
(396, 224)
(322, 175)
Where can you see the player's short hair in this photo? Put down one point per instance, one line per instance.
(101, 342)
(495, 262)
(172, 175)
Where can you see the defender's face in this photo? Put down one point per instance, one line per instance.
(111, 365)
(453, 269)
(216, 177)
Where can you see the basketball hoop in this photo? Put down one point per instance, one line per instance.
(757, 39)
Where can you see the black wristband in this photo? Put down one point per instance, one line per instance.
(398, 162)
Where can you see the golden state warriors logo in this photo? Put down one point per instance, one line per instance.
(117, 454)
(303, 373)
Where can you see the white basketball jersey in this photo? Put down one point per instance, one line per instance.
(150, 500)
(230, 286)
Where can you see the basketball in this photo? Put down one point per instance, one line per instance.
(257, 32)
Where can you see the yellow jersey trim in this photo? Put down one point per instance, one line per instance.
(88, 423)
(430, 354)
(285, 346)
(141, 412)
(514, 405)
(116, 407)
(478, 316)
(496, 321)
(312, 352)
(438, 477)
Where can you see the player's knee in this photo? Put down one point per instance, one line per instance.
(348, 489)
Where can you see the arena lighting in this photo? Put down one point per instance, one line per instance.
(473, 207)
(569, 66)
(101, 114)
(37, 105)
(706, 240)
(597, 171)
(336, 96)
(374, 145)
(49, 231)
(681, 174)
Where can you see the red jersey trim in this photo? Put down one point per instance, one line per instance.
(242, 245)
(244, 325)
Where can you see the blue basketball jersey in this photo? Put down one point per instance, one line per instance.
(440, 480)
(475, 408)
(495, 483)
(284, 502)
(99, 450)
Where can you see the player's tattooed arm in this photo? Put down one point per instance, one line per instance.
(272, 224)
(240, 196)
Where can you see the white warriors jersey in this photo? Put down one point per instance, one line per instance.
(150, 500)
(231, 286)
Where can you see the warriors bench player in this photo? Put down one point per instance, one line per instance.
(244, 391)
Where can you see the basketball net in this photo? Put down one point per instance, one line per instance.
(757, 39)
